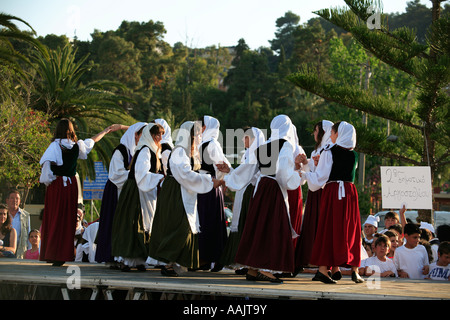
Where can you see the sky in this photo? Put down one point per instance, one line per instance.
(196, 23)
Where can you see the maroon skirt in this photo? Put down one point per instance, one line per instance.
(296, 210)
(305, 243)
(338, 238)
(59, 221)
(266, 241)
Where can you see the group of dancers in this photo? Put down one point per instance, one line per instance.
(163, 202)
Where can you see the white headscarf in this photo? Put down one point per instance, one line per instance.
(183, 140)
(147, 140)
(128, 137)
(249, 155)
(167, 136)
(346, 135)
(326, 126)
(212, 129)
(282, 128)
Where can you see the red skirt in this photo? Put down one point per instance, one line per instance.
(59, 221)
(305, 243)
(266, 241)
(296, 210)
(338, 238)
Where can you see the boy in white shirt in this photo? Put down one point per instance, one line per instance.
(411, 259)
(379, 263)
(440, 270)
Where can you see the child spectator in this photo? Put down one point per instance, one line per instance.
(411, 259)
(390, 219)
(370, 228)
(393, 238)
(399, 229)
(440, 270)
(379, 263)
(35, 239)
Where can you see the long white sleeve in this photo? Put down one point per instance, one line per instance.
(241, 176)
(85, 147)
(145, 179)
(286, 175)
(317, 179)
(117, 173)
(217, 156)
(194, 182)
(47, 176)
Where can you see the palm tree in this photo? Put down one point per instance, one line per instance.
(9, 31)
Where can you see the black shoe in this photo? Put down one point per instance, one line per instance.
(58, 263)
(263, 277)
(323, 278)
(336, 276)
(141, 268)
(241, 272)
(356, 278)
(125, 268)
(217, 267)
(297, 271)
(165, 271)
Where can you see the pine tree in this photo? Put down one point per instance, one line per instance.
(423, 124)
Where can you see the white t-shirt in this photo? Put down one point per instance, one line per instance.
(411, 261)
(439, 272)
(383, 266)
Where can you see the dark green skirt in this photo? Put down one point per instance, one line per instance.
(128, 238)
(231, 247)
(171, 238)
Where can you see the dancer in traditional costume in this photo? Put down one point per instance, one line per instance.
(266, 245)
(295, 197)
(213, 235)
(322, 131)
(176, 226)
(253, 138)
(134, 214)
(338, 237)
(166, 143)
(117, 175)
(59, 165)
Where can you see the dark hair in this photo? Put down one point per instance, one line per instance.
(34, 230)
(382, 238)
(426, 234)
(11, 192)
(64, 130)
(392, 214)
(391, 233)
(396, 227)
(202, 119)
(411, 228)
(335, 126)
(157, 129)
(320, 134)
(443, 232)
(444, 247)
(6, 226)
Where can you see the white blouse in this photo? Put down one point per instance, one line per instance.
(191, 184)
(53, 154)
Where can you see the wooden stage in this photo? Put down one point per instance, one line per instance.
(35, 280)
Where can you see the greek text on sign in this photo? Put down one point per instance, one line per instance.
(406, 185)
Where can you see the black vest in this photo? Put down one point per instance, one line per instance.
(69, 166)
(169, 172)
(267, 157)
(153, 161)
(126, 157)
(207, 163)
(344, 164)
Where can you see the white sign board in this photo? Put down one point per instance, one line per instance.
(406, 185)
